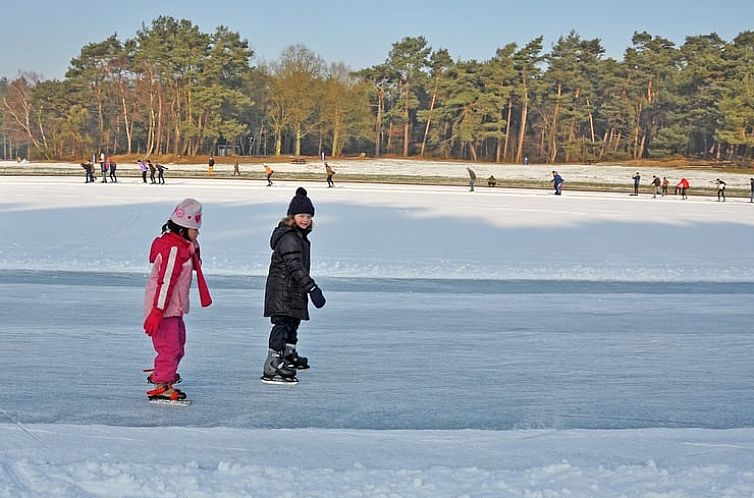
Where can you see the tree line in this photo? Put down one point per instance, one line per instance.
(173, 89)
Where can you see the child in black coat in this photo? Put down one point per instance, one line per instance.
(288, 289)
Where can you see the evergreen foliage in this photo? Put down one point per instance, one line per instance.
(173, 89)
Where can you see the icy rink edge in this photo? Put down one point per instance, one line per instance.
(70, 460)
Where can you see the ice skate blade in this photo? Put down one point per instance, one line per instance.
(173, 402)
(279, 380)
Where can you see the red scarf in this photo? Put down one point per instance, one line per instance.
(204, 295)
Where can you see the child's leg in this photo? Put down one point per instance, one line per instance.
(283, 327)
(168, 343)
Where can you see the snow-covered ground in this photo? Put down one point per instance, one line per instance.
(498, 343)
(610, 174)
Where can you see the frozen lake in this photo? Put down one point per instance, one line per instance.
(393, 354)
(501, 343)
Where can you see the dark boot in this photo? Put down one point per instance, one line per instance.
(293, 359)
(276, 371)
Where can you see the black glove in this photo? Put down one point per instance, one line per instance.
(318, 299)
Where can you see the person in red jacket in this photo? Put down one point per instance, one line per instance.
(683, 186)
(174, 256)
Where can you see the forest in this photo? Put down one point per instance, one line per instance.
(173, 89)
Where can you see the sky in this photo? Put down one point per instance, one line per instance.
(42, 36)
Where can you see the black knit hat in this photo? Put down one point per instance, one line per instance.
(300, 204)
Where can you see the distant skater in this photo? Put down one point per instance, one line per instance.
(210, 165)
(491, 182)
(152, 171)
(637, 180)
(329, 171)
(752, 190)
(104, 166)
(720, 190)
(472, 178)
(112, 166)
(557, 182)
(683, 186)
(269, 173)
(665, 183)
(161, 173)
(656, 182)
(143, 168)
(88, 171)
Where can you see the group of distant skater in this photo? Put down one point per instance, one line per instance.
(660, 186)
(268, 171)
(108, 168)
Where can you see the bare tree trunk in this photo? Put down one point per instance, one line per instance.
(298, 140)
(378, 124)
(126, 123)
(429, 115)
(641, 145)
(591, 120)
(158, 132)
(508, 129)
(554, 128)
(389, 137)
(522, 128)
(407, 123)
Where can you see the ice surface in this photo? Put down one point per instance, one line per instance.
(507, 343)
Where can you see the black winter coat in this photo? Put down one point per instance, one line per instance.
(288, 281)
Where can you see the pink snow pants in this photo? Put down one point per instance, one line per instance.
(169, 342)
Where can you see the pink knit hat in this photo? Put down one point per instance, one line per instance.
(187, 214)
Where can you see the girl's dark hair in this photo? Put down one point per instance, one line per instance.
(171, 226)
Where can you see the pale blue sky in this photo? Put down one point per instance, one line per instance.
(43, 35)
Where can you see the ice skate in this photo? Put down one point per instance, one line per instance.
(295, 360)
(167, 394)
(277, 371)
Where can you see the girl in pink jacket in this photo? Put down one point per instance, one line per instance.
(174, 255)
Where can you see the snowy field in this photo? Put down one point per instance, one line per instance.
(502, 343)
(603, 173)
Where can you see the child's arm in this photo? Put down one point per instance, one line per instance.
(170, 259)
(290, 248)
(173, 259)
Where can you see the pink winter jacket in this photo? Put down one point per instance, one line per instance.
(168, 284)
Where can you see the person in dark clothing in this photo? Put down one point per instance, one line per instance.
(152, 171)
(288, 289)
(665, 183)
(637, 180)
(720, 189)
(88, 171)
(491, 182)
(752, 190)
(161, 173)
(112, 167)
(557, 182)
(656, 182)
(211, 165)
